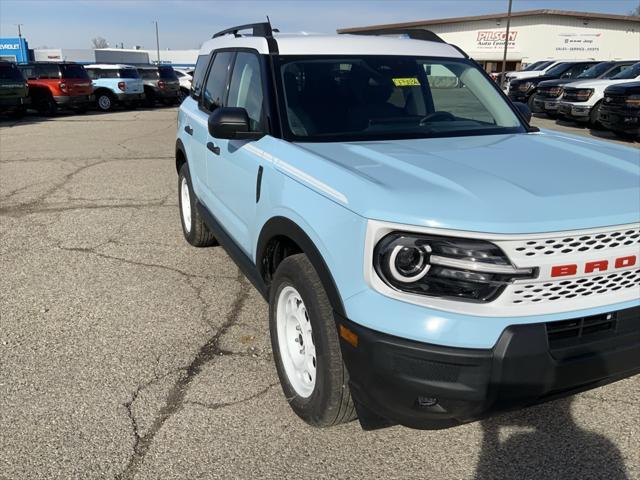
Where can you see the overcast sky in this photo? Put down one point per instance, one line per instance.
(186, 24)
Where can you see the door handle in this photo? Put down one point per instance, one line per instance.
(211, 146)
(188, 129)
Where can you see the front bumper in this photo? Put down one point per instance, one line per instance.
(544, 104)
(620, 119)
(575, 111)
(73, 100)
(426, 386)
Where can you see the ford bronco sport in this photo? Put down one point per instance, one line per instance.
(56, 85)
(13, 90)
(115, 84)
(428, 256)
(160, 84)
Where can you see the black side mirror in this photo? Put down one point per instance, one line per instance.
(523, 108)
(231, 123)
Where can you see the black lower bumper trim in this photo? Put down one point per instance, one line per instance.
(428, 386)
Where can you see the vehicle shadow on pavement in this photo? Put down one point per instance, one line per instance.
(544, 442)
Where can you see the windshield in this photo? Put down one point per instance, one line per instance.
(542, 66)
(73, 71)
(10, 72)
(558, 70)
(596, 71)
(358, 98)
(631, 72)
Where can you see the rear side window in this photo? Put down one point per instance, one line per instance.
(198, 76)
(167, 73)
(28, 71)
(10, 72)
(128, 73)
(215, 88)
(148, 73)
(47, 71)
(73, 71)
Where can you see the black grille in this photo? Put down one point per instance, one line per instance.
(549, 92)
(580, 330)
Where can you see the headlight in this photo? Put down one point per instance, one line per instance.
(446, 267)
(633, 101)
(583, 94)
(555, 91)
(524, 87)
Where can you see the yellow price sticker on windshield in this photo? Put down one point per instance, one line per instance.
(406, 82)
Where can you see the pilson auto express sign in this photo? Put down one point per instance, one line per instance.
(494, 40)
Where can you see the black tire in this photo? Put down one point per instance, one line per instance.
(330, 402)
(531, 105)
(46, 105)
(593, 115)
(197, 234)
(149, 98)
(105, 101)
(18, 113)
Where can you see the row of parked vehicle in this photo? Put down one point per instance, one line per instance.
(51, 86)
(597, 93)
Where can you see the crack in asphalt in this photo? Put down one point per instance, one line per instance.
(217, 406)
(24, 209)
(175, 399)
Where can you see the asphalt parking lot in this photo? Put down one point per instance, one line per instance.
(125, 353)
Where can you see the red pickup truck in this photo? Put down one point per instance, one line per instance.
(56, 85)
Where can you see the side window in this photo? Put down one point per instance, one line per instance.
(28, 72)
(93, 74)
(198, 76)
(46, 71)
(616, 70)
(246, 88)
(216, 86)
(575, 70)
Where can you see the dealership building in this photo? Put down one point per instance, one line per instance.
(533, 35)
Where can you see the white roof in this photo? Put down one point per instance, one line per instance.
(108, 65)
(335, 45)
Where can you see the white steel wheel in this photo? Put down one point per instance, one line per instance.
(104, 102)
(295, 342)
(185, 204)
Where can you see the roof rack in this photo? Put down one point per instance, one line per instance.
(413, 33)
(262, 29)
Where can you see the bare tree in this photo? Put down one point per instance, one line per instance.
(99, 42)
(635, 12)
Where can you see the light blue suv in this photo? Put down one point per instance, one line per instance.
(115, 84)
(428, 256)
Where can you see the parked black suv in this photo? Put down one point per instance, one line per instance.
(548, 92)
(160, 84)
(522, 90)
(620, 109)
(13, 90)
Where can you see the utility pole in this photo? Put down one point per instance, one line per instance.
(157, 41)
(506, 41)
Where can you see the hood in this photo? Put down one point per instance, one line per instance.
(558, 82)
(518, 183)
(598, 83)
(631, 88)
(522, 75)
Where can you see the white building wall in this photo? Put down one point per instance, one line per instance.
(545, 37)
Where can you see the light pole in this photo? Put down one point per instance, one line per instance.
(506, 41)
(157, 42)
(20, 25)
